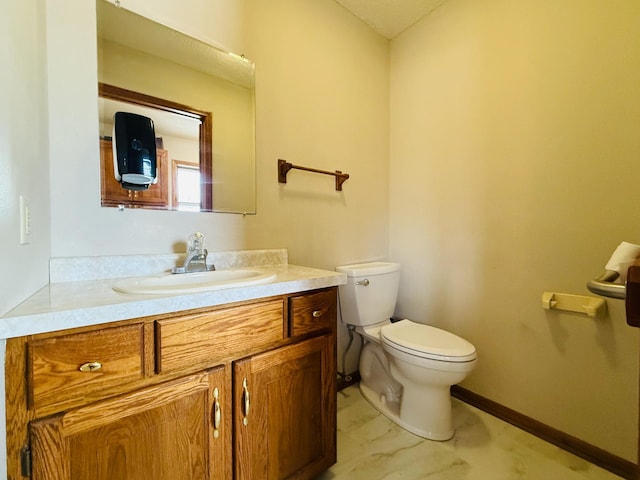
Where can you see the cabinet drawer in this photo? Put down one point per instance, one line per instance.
(313, 312)
(72, 369)
(200, 340)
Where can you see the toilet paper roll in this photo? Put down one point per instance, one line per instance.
(623, 256)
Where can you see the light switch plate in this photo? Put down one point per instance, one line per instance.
(25, 221)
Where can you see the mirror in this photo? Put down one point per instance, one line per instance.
(202, 102)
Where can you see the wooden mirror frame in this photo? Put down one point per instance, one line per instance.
(206, 121)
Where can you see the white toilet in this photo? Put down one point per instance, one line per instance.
(406, 368)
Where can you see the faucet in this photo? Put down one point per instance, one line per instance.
(196, 260)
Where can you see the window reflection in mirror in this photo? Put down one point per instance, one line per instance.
(186, 186)
(138, 55)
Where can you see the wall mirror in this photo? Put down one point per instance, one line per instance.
(202, 101)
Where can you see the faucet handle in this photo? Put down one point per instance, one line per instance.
(196, 242)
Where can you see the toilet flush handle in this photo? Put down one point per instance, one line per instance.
(364, 282)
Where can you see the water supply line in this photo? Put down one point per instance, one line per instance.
(343, 374)
(350, 329)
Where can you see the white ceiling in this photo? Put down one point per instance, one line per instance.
(390, 17)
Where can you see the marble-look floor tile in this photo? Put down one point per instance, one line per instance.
(371, 447)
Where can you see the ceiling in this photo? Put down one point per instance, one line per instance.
(390, 17)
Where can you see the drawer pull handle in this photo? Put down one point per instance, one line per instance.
(246, 402)
(90, 367)
(217, 413)
(317, 313)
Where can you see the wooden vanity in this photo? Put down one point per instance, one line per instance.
(243, 390)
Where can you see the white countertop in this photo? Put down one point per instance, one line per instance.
(70, 304)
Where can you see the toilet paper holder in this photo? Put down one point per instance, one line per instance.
(590, 306)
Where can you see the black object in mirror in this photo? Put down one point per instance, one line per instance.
(134, 151)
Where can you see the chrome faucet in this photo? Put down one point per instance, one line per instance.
(196, 260)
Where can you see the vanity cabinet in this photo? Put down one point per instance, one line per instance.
(238, 391)
(112, 194)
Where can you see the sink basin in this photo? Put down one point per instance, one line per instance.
(195, 282)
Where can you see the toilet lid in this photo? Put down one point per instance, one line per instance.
(427, 342)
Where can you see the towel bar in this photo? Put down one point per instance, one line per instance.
(603, 285)
(284, 167)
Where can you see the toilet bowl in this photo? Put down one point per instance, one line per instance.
(406, 368)
(427, 361)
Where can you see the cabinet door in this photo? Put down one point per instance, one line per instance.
(164, 432)
(285, 411)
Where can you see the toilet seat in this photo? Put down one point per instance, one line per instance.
(427, 342)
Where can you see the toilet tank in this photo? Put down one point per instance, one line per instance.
(369, 297)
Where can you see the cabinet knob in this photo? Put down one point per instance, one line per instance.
(217, 413)
(317, 313)
(246, 402)
(90, 367)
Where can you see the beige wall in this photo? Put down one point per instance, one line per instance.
(322, 80)
(514, 157)
(24, 168)
(322, 101)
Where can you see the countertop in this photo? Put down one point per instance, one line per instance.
(71, 304)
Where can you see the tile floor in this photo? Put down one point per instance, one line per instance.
(371, 447)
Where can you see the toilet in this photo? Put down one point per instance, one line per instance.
(406, 368)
